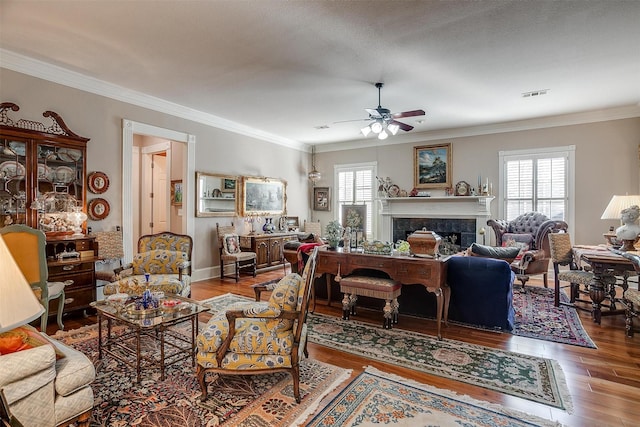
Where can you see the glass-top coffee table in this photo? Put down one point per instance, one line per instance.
(157, 329)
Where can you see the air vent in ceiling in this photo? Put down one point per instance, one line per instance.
(535, 93)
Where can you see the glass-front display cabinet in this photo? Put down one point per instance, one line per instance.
(216, 194)
(42, 173)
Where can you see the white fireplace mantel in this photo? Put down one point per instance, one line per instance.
(463, 207)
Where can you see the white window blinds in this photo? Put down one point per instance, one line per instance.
(354, 186)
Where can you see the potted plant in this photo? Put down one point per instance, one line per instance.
(333, 233)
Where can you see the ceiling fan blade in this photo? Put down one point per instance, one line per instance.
(373, 113)
(353, 120)
(408, 114)
(405, 127)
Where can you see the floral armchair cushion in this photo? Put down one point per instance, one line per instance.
(136, 285)
(159, 262)
(260, 341)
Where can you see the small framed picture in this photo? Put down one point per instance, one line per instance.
(228, 185)
(321, 199)
(176, 192)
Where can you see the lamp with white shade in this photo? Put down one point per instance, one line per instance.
(614, 209)
(18, 303)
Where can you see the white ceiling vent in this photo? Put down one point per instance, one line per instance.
(534, 93)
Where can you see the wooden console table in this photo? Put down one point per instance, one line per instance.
(431, 273)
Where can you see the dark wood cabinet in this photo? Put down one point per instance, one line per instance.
(73, 259)
(268, 248)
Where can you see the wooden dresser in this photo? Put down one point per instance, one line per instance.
(268, 247)
(81, 270)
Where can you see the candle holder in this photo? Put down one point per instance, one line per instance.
(252, 219)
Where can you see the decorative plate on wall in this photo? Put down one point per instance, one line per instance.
(98, 182)
(98, 209)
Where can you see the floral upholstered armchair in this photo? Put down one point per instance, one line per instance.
(260, 337)
(166, 257)
(530, 232)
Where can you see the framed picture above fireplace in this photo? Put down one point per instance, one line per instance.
(432, 166)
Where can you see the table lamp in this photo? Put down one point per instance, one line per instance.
(18, 303)
(614, 211)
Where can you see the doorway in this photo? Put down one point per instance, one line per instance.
(131, 152)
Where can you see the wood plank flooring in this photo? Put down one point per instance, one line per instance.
(604, 383)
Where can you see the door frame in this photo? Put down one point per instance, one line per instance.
(129, 128)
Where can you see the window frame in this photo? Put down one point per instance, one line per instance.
(353, 167)
(568, 152)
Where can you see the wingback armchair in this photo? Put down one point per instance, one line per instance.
(166, 257)
(529, 231)
(260, 337)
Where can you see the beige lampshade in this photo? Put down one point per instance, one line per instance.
(619, 203)
(18, 303)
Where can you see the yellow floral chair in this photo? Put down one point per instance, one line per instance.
(166, 257)
(260, 337)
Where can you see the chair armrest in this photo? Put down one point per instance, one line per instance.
(499, 227)
(13, 367)
(123, 271)
(260, 288)
(183, 268)
(232, 315)
(549, 226)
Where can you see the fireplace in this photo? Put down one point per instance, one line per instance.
(457, 219)
(457, 233)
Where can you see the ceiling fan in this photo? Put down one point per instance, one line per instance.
(382, 120)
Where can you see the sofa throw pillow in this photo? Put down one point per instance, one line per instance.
(231, 243)
(23, 338)
(523, 242)
(505, 253)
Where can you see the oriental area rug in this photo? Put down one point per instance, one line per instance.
(534, 378)
(379, 398)
(256, 400)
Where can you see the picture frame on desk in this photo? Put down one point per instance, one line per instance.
(432, 166)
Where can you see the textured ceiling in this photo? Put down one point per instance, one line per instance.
(283, 68)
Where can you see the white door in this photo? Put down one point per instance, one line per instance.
(160, 201)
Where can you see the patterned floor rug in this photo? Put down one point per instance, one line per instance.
(537, 317)
(534, 378)
(257, 400)
(380, 398)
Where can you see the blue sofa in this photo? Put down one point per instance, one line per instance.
(481, 292)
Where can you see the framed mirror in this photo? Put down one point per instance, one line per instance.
(263, 196)
(216, 195)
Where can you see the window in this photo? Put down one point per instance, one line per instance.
(355, 186)
(539, 180)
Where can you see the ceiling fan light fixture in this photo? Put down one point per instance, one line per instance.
(382, 135)
(376, 127)
(393, 128)
(366, 130)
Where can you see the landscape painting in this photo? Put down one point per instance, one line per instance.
(432, 166)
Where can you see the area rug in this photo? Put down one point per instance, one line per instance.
(257, 400)
(534, 378)
(537, 317)
(380, 398)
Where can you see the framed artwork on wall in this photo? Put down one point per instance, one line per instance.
(355, 217)
(263, 196)
(229, 185)
(432, 166)
(176, 192)
(321, 199)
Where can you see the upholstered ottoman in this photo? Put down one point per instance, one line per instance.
(374, 287)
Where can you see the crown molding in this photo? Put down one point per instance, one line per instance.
(53, 73)
(618, 113)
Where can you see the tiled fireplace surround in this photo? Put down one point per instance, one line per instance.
(460, 216)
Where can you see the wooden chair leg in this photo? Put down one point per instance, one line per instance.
(61, 299)
(201, 372)
(237, 271)
(295, 373)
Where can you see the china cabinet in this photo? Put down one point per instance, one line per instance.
(42, 181)
(40, 163)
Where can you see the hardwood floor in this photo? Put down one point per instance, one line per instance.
(604, 383)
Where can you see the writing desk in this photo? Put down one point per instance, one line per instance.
(429, 272)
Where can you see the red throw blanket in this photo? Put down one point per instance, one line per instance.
(305, 248)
